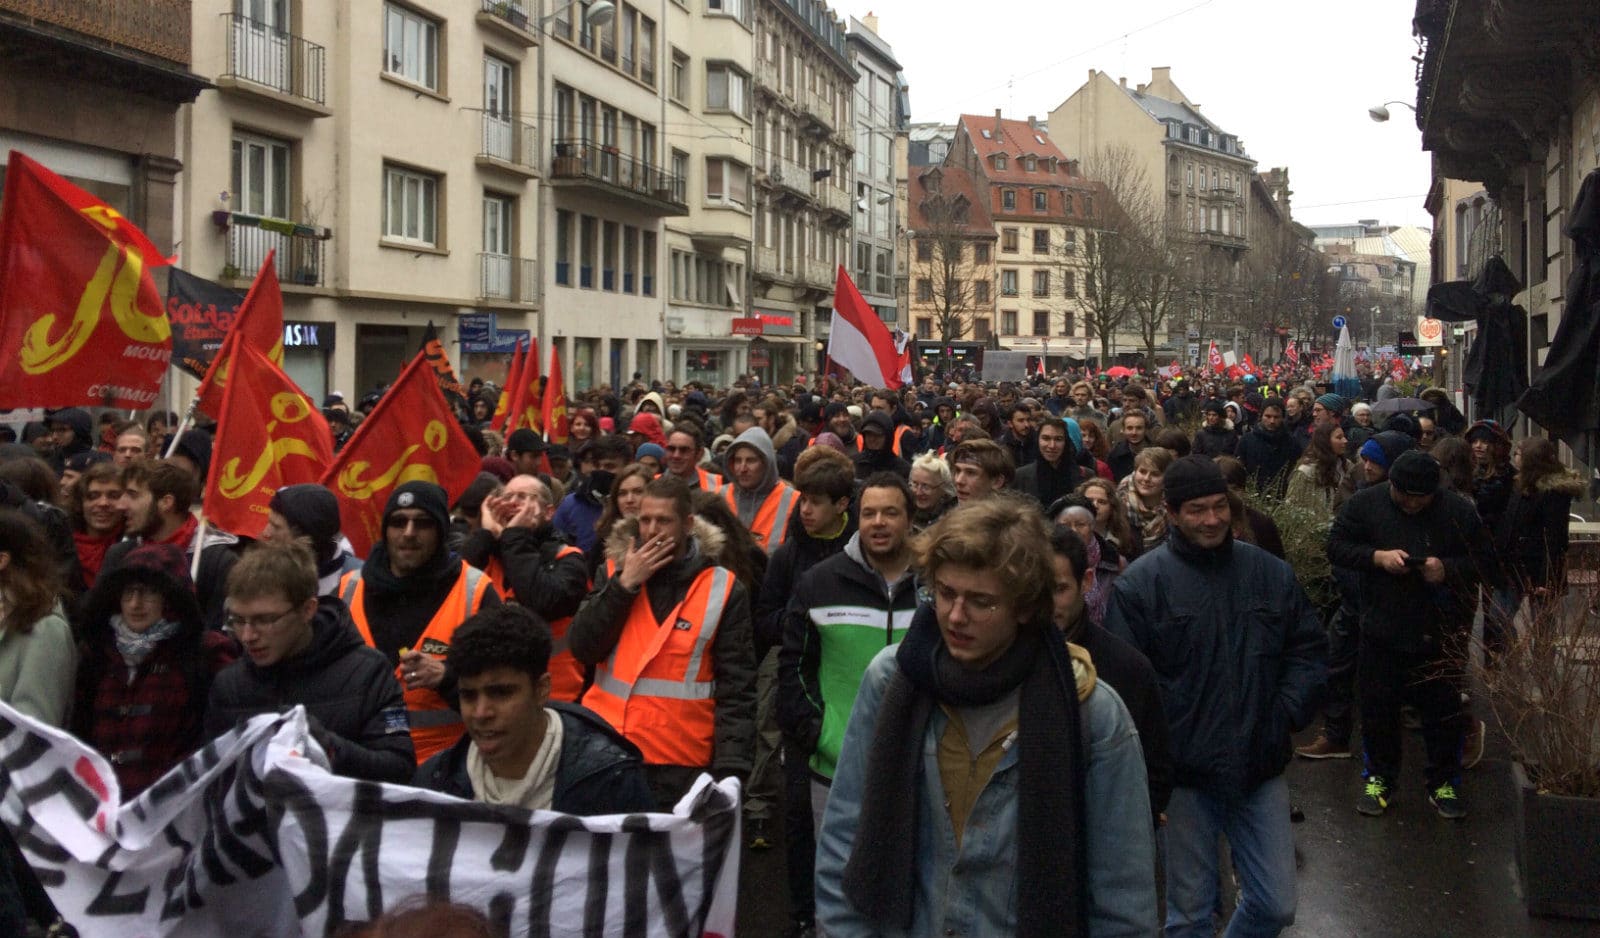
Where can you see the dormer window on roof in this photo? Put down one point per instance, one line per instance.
(999, 159)
(1030, 164)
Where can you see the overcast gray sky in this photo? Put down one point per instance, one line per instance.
(1293, 79)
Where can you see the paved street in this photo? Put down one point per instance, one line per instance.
(1408, 874)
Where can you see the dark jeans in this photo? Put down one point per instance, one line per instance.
(800, 843)
(1429, 682)
(1344, 634)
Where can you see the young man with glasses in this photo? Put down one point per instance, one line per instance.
(407, 601)
(300, 649)
(975, 748)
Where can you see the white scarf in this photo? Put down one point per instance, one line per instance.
(535, 790)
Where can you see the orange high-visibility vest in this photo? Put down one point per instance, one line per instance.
(771, 524)
(657, 687)
(899, 432)
(566, 672)
(706, 481)
(434, 725)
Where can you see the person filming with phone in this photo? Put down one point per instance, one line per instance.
(1421, 552)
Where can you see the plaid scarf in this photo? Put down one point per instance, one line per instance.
(135, 647)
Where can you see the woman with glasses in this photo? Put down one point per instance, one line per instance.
(933, 490)
(147, 666)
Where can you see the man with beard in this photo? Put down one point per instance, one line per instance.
(837, 417)
(1210, 612)
(668, 633)
(1421, 553)
(156, 495)
(1215, 437)
(1135, 438)
(1060, 400)
(97, 518)
(1269, 451)
(69, 431)
(408, 599)
(844, 611)
(1018, 436)
(1056, 472)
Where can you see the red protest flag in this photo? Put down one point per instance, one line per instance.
(525, 398)
(269, 434)
(454, 393)
(410, 435)
(258, 323)
(553, 411)
(503, 409)
(65, 253)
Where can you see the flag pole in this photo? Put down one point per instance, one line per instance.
(183, 427)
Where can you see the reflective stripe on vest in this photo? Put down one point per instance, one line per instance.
(657, 687)
(566, 673)
(899, 432)
(435, 726)
(771, 523)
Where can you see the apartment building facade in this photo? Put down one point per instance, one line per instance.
(92, 89)
(1196, 172)
(804, 86)
(1043, 211)
(881, 116)
(950, 258)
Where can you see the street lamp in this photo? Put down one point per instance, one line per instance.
(1380, 114)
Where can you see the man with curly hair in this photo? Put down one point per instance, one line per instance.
(520, 747)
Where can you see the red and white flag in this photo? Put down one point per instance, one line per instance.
(859, 341)
(1214, 357)
(1291, 354)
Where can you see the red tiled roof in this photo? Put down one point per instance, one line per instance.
(953, 183)
(1016, 139)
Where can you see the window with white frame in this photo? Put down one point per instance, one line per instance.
(260, 175)
(410, 206)
(733, 8)
(678, 80)
(726, 88)
(410, 46)
(727, 181)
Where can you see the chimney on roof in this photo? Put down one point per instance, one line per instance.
(1139, 88)
(1123, 81)
(1161, 73)
(871, 22)
(998, 127)
(1033, 122)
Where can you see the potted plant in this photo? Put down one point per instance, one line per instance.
(1544, 690)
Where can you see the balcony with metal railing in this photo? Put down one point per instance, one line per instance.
(299, 250)
(508, 279)
(509, 19)
(508, 144)
(605, 171)
(268, 64)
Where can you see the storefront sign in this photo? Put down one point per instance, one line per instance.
(317, 335)
(760, 358)
(750, 326)
(777, 323)
(479, 334)
(1430, 332)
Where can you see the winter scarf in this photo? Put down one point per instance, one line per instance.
(536, 790)
(133, 646)
(1149, 524)
(1052, 890)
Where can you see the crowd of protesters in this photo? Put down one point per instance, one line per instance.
(970, 646)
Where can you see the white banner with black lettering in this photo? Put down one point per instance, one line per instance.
(252, 836)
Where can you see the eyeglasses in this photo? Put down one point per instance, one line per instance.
(261, 623)
(140, 591)
(978, 605)
(923, 487)
(679, 449)
(401, 522)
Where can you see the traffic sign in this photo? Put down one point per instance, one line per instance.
(1338, 322)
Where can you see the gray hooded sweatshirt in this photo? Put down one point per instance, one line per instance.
(748, 503)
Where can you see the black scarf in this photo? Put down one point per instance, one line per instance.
(1052, 882)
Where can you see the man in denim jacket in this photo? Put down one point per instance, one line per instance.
(987, 784)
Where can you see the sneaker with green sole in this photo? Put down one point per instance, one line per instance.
(1374, 797)
(1446, 800)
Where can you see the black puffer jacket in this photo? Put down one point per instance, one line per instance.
(1269, 456)
(1531, 538)
(798, 553)
(599, 772)
(1403, 611)
(1239, 655)
(349, 688)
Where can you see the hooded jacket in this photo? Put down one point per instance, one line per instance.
(1269, 456)
(748, 503)
(1239, 654)
(649, 427)
(1531, 537)
(598, 626)
(1490, 494)
(348, 688)
(869, 461)
(598, 772)
(219, 551)
(1045, 482)
(843, 613)
(147, 718)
